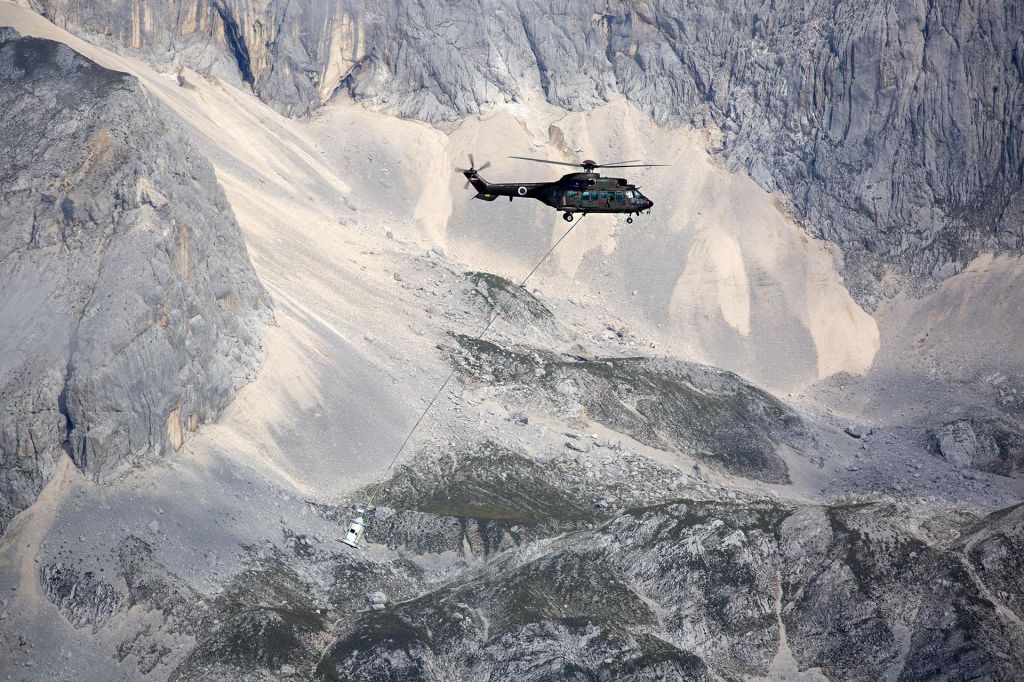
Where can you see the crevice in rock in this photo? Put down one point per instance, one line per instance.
(236, 42)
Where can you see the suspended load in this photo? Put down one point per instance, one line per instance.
(355, 530)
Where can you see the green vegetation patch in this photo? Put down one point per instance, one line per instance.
(569, 587)
(267, 620)
(568, 591)
(486, 481)
(708, 413)
(657, 659)
(877, 561)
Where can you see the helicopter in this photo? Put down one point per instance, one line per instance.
(586, 192)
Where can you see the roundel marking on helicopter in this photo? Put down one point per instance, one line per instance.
(521, 191)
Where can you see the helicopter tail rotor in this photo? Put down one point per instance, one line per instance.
(472, 171)
(472, 166)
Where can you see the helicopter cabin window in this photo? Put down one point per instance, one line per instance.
(604, 195)
(570, 194)
(586, 196)
(618, 196)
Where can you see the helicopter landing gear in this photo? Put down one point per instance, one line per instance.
(629, 220)
(567, 217)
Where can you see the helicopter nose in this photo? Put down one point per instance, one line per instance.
(648, 203)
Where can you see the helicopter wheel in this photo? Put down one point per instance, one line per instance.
(567, 217)
(629, 220)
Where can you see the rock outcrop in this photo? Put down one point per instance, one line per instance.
(506, 571)
(703, 412)
(130, 310)
(989, 445)
(695, 590)
(892, 127)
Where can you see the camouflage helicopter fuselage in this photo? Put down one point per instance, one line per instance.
(586, 192)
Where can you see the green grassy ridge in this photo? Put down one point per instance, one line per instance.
(711, 414)
(483, 481)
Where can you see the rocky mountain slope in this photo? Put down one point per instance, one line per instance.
(591, 497)
(692, 589)
(131, 312)
(498, 567)
(892, 128)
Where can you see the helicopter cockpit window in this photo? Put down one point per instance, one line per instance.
(629, 194)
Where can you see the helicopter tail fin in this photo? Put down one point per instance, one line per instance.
(479, 184)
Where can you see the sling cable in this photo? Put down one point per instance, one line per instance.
(357, 526)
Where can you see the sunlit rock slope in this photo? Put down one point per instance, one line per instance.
(129, 308)
(892, 127)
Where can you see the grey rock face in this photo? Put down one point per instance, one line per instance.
(83, 598)
(695, 590)
(989, 445)
(892, 127)
(511, 302)
(130, 312)
(535, 585)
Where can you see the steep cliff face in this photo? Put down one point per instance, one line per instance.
(129, 308)
(892, 127)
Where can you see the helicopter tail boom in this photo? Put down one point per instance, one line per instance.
(488, 191)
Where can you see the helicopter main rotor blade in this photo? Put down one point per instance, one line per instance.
(472, 165)
(554, 163)
(641, 165)
(616, 163)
